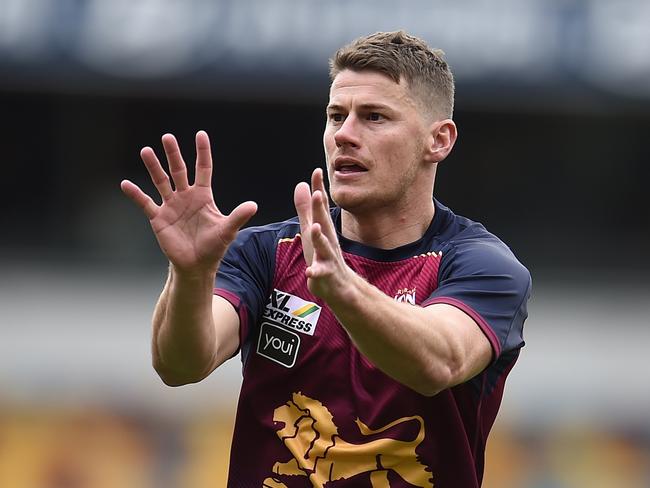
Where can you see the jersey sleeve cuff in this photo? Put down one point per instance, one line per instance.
(480, 321)
(241, 310)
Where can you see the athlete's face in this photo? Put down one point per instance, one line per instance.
(375, 141)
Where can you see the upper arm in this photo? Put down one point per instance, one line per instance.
(242, 285)
(226, 324)
(470, 351)
(488, 288)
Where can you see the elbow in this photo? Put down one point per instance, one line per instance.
(429, 388)
(174, 378)
(434, 379)
(174, 381)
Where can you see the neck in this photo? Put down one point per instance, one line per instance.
(387, 229)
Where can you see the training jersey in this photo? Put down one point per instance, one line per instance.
(313, 411)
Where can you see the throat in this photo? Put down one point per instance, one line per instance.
(384, 231)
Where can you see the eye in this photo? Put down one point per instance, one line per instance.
(336, 117)
(375, 116)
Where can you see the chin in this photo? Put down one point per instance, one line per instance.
(355, 201)
(345, 198)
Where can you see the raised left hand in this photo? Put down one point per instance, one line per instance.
(327, 273)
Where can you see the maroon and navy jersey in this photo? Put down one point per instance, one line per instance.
(313, 411)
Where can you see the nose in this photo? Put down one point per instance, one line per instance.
(347, 134)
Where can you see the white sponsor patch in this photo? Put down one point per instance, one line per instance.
(292, 312)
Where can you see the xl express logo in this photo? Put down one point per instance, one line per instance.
(284, 314)
(292, 312)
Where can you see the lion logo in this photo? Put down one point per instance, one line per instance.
(320, 454)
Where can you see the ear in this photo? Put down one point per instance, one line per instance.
(442, 137)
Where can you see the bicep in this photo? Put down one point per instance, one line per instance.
(469, 349)
(226, 324)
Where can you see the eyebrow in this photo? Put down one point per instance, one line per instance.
(363, 106)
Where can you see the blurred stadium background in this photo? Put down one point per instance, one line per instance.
(553, 107)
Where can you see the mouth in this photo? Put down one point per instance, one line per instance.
(346, 165)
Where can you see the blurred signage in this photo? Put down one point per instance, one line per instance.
(602, 43)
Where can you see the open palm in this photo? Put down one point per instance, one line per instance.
(190, 228)
(327, 271)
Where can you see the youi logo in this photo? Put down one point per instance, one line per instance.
(278, 344)
(284, 315)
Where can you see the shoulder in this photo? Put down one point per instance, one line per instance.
(468, 246)
(267, 235)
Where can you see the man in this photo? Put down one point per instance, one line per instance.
(375, 336)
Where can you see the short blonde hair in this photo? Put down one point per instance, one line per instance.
(399, 55)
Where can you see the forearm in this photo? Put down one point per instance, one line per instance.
(427, 349)
(402, 340)
(184, 344)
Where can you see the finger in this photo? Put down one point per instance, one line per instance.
(158, 176)
(321, 215)
(322, 245)
(177, 167)
(302, 201)
(240, 215)
(318, 183)
(140, 198)
(203, 160)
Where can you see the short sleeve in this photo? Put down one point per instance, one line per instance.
(245, 275)
(485, 280)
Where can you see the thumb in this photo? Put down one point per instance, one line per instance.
(241, 214)
(140, 198)
(237, 218)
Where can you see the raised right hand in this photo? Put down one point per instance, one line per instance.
(190, 229)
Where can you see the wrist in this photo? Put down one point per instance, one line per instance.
(353, 303)
(346, 290)
(197, 276)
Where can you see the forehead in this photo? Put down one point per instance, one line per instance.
(368, 87)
